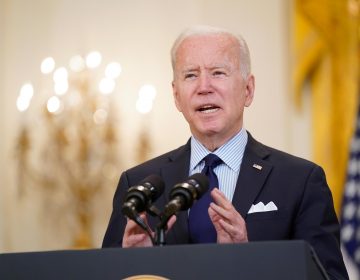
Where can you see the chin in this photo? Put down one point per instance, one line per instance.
(210, 131)
(207, 129)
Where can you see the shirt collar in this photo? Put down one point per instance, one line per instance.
(231, 153)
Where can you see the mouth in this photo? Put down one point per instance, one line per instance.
(208, 108)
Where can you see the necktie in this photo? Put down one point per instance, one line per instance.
(200, 226)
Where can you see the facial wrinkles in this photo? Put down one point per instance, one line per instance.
(199, 59)
(201, 56)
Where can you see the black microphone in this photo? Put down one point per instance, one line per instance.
(140, 197)
(183, 195)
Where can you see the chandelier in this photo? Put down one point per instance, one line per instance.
(68, 143)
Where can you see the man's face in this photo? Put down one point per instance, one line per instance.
(208, 86)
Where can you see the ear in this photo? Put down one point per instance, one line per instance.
(176, 96)
(250, 90)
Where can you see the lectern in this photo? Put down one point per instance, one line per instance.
(278, 260)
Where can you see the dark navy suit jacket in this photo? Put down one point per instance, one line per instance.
(297, 187)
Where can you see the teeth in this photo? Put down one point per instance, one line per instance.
(208, 109)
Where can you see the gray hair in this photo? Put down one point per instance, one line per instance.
(245, 63)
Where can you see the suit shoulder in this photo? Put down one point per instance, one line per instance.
(289, 166)
(278, 156)
(154, 165)
(282, 158)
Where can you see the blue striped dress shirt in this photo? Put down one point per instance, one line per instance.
(231, 154)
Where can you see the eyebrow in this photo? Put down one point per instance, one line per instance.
(196, 68)
(220, 66)
(190, 69)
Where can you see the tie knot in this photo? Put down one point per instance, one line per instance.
(212, 160)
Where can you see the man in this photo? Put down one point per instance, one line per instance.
(212, 85)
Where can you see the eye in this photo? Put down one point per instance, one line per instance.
(189, 76)
(219, 73)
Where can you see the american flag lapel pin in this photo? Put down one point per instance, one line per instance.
(258, 167)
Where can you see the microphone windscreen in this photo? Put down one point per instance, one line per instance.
(202, 181)
(157, 185)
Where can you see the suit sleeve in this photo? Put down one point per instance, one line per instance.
(316, 222)
(115, 230)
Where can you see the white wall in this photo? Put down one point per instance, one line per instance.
(3, 133)
(138, 34)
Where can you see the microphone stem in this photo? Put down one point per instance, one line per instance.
(133, 215)
(171, 208)
(160, 236)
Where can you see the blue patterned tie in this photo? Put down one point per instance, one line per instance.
(200, 226)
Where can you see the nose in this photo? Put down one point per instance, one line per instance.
(205, 86)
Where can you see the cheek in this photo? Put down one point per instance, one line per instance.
(182, 103)
(183, 98)
(177, 94)
(177, 102)
(239, 96)
(178, 106)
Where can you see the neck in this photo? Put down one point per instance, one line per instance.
(213, 142)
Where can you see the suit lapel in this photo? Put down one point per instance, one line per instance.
(176, 171)
(251, 179)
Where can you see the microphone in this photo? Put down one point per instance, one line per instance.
(184, 194)
(140, 197)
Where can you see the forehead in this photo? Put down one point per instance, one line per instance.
(207, 49)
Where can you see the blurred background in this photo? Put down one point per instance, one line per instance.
(85, 93)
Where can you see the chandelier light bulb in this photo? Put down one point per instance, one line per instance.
(147, 92)
(106, 86)
(22, 104)
(60, 75)
(25, 96)
(93, 59)
(113, 70)
(53, 104)
(47, 65)
(27, 91)
(61, 87)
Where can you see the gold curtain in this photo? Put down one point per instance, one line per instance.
(326, 47)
